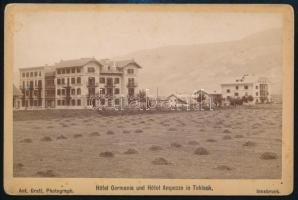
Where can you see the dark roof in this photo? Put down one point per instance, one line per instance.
(124, 63)
(16, 91)
(75, 62)
(179, 99)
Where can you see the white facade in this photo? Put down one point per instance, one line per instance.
(258, 88)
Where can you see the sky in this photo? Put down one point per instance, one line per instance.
(47, 37)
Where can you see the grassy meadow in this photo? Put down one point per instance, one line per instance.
(243, 142)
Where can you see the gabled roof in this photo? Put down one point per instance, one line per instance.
(178, 99)
(75, 62)
(124, 63)
(16, 91)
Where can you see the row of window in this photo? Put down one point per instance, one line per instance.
(72, 91)
(32, 84)
(31, 74)
(61, 81)
(73, 102)
(237, 87)
(69, 70)
(236, 94)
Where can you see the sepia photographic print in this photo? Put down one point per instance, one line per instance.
(148, 99)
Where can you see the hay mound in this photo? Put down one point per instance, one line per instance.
(201, 151)
(268, 156)
(61, 137)
(48, 173)
(193, 142)
(50, 127)
(238, 136)
(224, 167)
(126, 131)
(26, 140)
(19, 165)
(227, 131)
(106, 154)
(109, 132)
(131, 151)
(160, 161)
(211, 140)
(172, 129)
(176, 145)
(138, 131)
(249, 144)
(94, 134)
(46, 139)
(77, 135)
(227, 137)
(155, 148)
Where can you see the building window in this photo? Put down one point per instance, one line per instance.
(58, 81)
(39, 73)
(131, 92)
(117, 101)
(246, 87)
(31, 74)
(73, 102)
(73, 80)
(27, 74)
(130, 71)
(78, 80)
(23, 74)
(257, 94)
(73, 91)
(117, 91)
(79, 102)
(236, 94)
(257, 87)
(62, 81)
(79, 91)
(63, 91)
(73, 70)
(228, 91)
(91, 69)
(58, 92)
(63, 102)
(67, 71)
(102, 80)
(35, 74)
(102, 91)
(62, 71)
(237, 87)
(59, 102)
(116, 81)
(78, 70)
(58, 71)
(102, 101)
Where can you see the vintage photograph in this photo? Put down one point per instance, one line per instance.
(147, 94)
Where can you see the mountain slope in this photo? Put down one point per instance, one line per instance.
(184, 68)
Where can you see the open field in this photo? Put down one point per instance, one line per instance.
(232, 143)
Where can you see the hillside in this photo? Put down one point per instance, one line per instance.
(184, 68)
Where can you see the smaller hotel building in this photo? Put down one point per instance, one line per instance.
(257, 87)
(79, 83)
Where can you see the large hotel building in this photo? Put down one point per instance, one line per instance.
(79, 83)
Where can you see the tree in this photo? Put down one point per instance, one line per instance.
(217, 100)
(250, 98)
(200, 97)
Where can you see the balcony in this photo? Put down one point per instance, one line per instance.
(131, 85)
(92, 85)
(109, 85)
